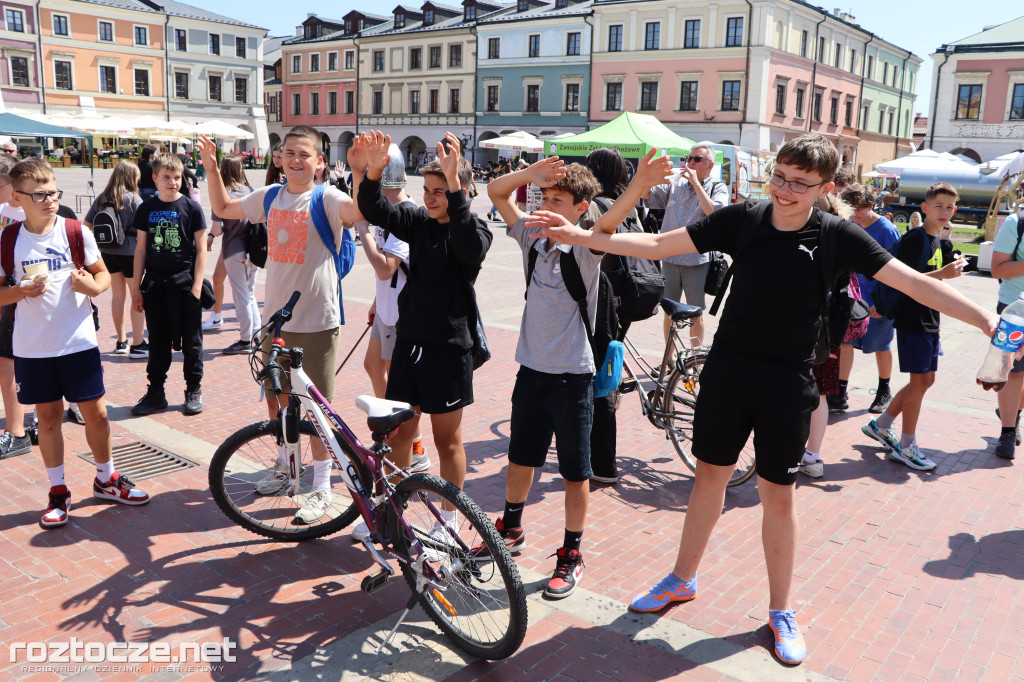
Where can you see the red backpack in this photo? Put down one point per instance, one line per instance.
(9, 237)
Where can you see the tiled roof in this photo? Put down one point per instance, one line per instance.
(920, 125)
(546, 11)
(175, 9)
(1010, 32)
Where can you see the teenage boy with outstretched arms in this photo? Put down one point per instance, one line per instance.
(779, 393)
(432, 365)
(297, 260)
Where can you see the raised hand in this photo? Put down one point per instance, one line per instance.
(449, 160)
(356, 156)
(652, 171)
(375, 146)
(208, 152)
(547, 172)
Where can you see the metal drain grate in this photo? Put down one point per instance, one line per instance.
(140, 460)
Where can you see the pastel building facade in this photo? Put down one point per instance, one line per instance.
(20, 67)
(977, 94)
(533, 71)
(319, 75)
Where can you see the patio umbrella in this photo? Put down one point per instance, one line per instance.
(222, 130)
(518, 141)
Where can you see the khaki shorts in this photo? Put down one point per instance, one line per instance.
(319, 353)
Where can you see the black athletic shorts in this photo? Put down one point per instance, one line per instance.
(122, 264)
(7, 332)
(738, 395)
(439, 380)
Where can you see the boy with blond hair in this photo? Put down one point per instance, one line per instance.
(55, 352)
(170, 260)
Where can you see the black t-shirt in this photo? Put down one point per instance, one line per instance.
(146, 175)
(170, 229)
(777, 292)
(914, 316)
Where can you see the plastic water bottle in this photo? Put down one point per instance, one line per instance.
(1005, 343)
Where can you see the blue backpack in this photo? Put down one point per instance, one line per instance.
(344, 257)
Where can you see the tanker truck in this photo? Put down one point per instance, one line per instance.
(977, 187)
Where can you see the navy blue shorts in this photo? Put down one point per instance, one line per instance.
(918, 351)
(78, 378)
(546, 405)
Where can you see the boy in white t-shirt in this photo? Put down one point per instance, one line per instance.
(55, 350)
(14, 441)
(297, 260)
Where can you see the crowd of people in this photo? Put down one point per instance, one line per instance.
(426, 259)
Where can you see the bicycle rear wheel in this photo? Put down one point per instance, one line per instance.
(481, 603)
(679, 402)
(244, 461)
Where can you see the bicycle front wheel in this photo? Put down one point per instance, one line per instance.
(679, 402)
(480, 603)
(247, 489)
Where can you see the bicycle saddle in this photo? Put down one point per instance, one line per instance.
(384, 416)
(680, 311)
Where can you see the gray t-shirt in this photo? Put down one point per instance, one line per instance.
(234, 231)
(552, 337)
(682, 208)
(131, 203)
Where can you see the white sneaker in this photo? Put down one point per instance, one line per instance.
(441, 537)
(912, 457)
(419, 463)
(274, 480)
(315, 506)
(360, 531)
(812, 466)
(212, 323)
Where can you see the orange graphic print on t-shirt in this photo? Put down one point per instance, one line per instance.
(286, 236)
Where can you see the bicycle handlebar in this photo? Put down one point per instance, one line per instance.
(273, 368)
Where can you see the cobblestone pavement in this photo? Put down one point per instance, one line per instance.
(901, 575)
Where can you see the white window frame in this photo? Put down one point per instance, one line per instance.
(113, 64)
(687, 77)
(969, 78)
(29, 57)
(346, 109)
(642, 78)
(220, 44)
(19, 11)
(578, 82)
(113, 35)
(174, 83)
(725, 31)
(528, 81)
(336, 67)
(613, 80)
(724, 76)
(148, 68)
(495, 82)
(329, 112)
(234, 88)
(67, 18)
(294, 57)
(145, 28)
(317, 55)
(215, 74)
(185, 30)
(53, 69)
(530, 37)
(312, 94)
(1014, 77)
(349, 54)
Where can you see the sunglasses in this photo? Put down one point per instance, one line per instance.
(695, 159)
(10, 151)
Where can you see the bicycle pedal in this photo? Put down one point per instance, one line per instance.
(627, 385)
(375, 581)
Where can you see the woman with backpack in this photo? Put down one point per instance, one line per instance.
(111, 218)
(241, 273)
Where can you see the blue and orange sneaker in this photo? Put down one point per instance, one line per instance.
(789, 643)
(670, 589)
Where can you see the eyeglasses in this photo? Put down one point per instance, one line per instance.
(695, 159)
(10, 151)
(40, 197)
(796, 186)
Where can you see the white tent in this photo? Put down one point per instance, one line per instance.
(222, 130)
(1007, 164)
(925, 159)
(518, 141)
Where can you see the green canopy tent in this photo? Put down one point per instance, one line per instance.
(632, 134)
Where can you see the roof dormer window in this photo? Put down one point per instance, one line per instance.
(428, 16)
(349, 26)
(561, 4)
(399, 19)
(470, 11)
(522, 5)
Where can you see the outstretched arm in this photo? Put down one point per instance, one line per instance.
(650, 172)
(636, 244)
(543, 173)
(928, 291)
(224, 207)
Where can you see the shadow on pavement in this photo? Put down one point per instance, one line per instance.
(995, 554)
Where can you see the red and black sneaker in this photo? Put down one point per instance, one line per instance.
(57, 510)
(568, 571)
(119, 489)
(515, 539)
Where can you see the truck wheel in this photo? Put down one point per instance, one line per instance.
(901, 216)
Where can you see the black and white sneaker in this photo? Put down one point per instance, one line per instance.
(121, 348)
(12, 446)
(139, 351)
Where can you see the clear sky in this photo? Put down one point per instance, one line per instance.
(920, 26)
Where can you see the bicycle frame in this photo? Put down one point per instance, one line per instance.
(673, 360)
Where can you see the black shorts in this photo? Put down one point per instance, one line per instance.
(122, 264)
(738, 395)
(546, 405)
(7, 332)
(439, 380)
(77, 377)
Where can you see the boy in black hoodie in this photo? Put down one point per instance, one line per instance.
(432, 366)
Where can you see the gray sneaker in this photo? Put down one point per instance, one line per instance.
(12, 446)
(419, 463)
(316, 505)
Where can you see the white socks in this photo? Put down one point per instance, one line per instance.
(56, 475)
(322, 474)
(104, 470)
